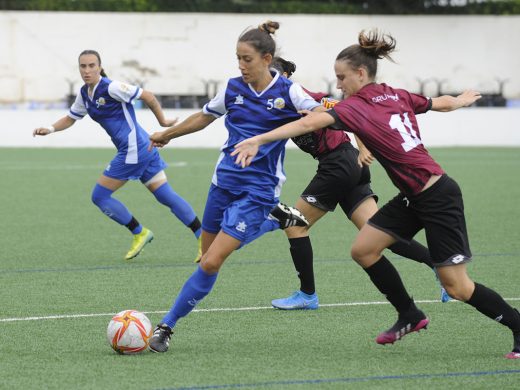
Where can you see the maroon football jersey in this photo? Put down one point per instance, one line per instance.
(384, 119)
(320, 141)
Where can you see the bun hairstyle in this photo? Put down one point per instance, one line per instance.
(260, 38)
(373, 45)
(93, 52)
(284, 66)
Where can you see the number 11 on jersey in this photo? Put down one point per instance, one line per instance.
(406, 131)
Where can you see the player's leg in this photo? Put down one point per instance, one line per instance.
(302, 257)
(117, 211)
(448, 241)
(367, 250)
(157, 184)
(198, 285)
(359, 205)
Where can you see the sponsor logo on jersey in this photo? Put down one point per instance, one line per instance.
(239, 99)
(100, 102)
(382, 98)
(241, 226)
(279, 103)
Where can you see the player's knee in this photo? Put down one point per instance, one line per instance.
(99, 195)
(459, 290)
(211, 265)
(363, 254)
(297, 231)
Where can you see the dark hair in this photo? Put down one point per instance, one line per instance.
(283, 66)
(86, 52)
(372, 47)
(260, 37)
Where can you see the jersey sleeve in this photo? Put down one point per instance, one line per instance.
(77, 110)
(217, 105)
(123, 92)
(301, 99)
(420, 104)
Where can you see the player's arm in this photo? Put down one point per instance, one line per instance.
(365, 157)
(448, 103)
(153, 104)
(247, 149)
(59, 125)
(192, 124)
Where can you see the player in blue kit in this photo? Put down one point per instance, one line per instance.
(239, 200)
(110, 103)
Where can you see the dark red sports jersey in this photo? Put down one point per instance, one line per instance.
(321, 141)
(384, 119)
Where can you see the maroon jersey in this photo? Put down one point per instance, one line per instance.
(384, 119)
(320, 141)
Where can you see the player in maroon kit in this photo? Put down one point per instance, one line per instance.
(384, 118)
(340, 179)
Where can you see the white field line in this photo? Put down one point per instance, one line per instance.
(222, 309)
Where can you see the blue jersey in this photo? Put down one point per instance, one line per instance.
(111, 105)
(250, 113)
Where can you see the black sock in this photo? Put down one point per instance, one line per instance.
(132, 224)
(387, 280)
(302, 256)
(195, 225)
(492, 305)
(413, 251)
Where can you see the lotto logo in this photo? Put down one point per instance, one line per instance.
(457, 259)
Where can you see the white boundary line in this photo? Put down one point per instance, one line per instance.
(222, 309)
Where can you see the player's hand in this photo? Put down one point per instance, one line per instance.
(365, 157)
(245, 152)
(158, 140)
(467, 98)
(41, 131)
(169, 122)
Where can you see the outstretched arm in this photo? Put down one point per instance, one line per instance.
(448, 103)
(59, 125)
(247, 149)
(153, 104)
(192, 124)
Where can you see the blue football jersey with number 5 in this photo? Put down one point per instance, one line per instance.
(249, 113)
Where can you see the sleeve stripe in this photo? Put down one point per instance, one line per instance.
(206, 108)
(134, 95)
(75, 115)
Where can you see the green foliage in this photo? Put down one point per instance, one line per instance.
(501, 7)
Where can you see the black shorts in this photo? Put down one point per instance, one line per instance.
(440, 211)
(339, 179)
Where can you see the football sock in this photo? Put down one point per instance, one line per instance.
(302, 256)
(196, 227)
(492, 305)
(198, 285)
(413, 251)
(113, 208)
(387, 280)
(178, 206)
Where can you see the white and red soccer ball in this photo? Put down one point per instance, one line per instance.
(129, 332)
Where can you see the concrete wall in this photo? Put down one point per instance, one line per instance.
(176, 52)
(464, 127)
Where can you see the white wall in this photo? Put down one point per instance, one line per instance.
(39, 50)
(464, 127)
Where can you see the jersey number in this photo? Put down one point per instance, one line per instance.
(406, 131)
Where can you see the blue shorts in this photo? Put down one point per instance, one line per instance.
(239, 214)
(149, 165)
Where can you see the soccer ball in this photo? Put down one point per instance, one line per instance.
(129, 332)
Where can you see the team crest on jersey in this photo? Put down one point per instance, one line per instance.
(239, 99)
(100, 102)
(279, 103)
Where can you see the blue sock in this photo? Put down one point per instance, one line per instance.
(102, 198)
(198, 285)
(178, 206)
